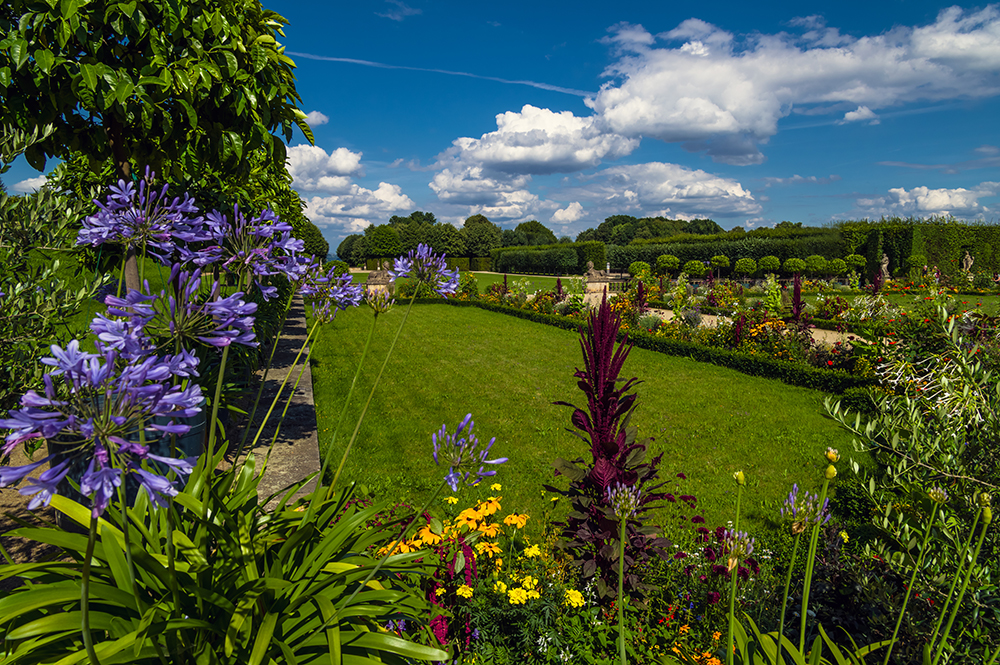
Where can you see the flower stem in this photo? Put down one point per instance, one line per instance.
(784, 597)
(909, 587)
(734, 573)
(810, 563)
(392, 549)
(954, 581)
(88, 639)
(621, 590)
(281, 388)
(343, 414)
(260, 388)
(378, 378)
(965, 585)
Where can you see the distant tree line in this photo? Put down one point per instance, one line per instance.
(477, 237)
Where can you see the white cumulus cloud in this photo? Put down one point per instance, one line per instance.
(540, 141)
(313, 170)
(358, 207)
(315, 118)
(658, 188)
(29, 185)
(569, 214)
(924, 201)
(725, 94)
(860, 114)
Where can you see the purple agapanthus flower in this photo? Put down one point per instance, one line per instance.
(423, 265)
(461, 452)
(140, 215)
(252, 248)
(803, 508)
(332, 293)
(624, 499)
(104, 401)
(188, 310)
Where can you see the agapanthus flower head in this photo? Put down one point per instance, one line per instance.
(803, 508)
(139, 214)
(189, 310)
(380, 300)
(333, 293)
(251, 248)
(461, 452)
(938, 495)
(104, 404)
(624, 499)
(737, 546)
(426, 267)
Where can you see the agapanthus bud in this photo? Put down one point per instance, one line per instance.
(740, 478)
(938, 495)
(983, 499)
(624, 499)
(832, 455)
(831, 472)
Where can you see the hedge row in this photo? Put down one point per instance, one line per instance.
(828, 244)
(831, 381)
(561, 259)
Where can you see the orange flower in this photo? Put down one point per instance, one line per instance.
(490, 506)
(468, 517)
(490, 530)
(516, 520)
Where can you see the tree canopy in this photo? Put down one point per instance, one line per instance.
(143, 81)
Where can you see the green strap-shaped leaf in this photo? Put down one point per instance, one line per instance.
(262, 643)
(329, 615)
(397, 645)
(58, 622)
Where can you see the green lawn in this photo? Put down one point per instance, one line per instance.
(707, 421)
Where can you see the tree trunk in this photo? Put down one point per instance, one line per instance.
(123, 167)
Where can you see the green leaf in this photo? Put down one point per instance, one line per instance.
(4, 76)
(44, 59)
(192, 116)
(58, 622)
(263, 639)
(123, 89)
(232, 64)
(65, 31)
(19, 53)
(89, 74)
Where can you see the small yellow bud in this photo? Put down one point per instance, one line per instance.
(987, 515)
(740, 478)
(984, 499)
(831, 472)
(832, 456)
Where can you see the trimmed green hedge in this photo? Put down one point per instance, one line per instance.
(460, 262)
(831, 381)
(560, 259)
(481, 264)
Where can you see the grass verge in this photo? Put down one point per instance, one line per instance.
(707, 421)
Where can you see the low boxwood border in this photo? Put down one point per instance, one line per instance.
(826, 380)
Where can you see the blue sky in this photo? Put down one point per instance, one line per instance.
(568, 112)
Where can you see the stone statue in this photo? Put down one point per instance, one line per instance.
(967, 262)
(592, 274)
(885, 267)
(380, 276)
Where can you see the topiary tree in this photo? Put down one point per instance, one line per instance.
(720, 261)
(855, 262)
(666, 264)
(695, 268)
(816, 265)
(745, 266)
(769, 264)
(637, 268)
(837, 267)
(794, 266)
(383, 242)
